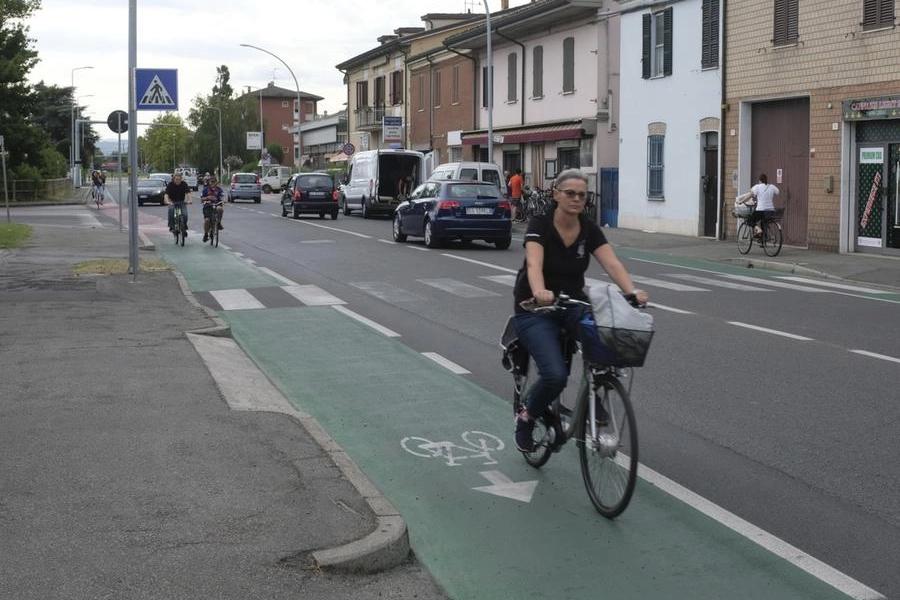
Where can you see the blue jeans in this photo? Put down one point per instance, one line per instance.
(540, 335)
(172, 214)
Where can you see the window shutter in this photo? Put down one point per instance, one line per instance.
(710, 45)
(786, 22)
(645, 51)
(667, 34)
(569, 64)
(878, 13)
(512, 68)
(537, 62)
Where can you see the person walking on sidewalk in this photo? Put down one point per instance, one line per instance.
(558, 250)
(765, 193)
(178, 192)
(516, 184)
(212, 204)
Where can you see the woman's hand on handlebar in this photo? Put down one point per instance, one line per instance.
(638, 298)
(544, 297)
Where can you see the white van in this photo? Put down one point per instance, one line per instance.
(371, 185)
(478, 171)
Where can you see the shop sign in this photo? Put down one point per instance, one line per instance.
(871, 108)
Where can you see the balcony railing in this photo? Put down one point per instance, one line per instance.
(369, 117)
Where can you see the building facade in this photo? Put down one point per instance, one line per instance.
(671, 89)
(278, 110)
(813, 100)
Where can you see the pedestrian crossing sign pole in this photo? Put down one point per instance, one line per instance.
(156, 89)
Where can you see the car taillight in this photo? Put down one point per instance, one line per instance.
(257, 180)
(334, 196)
(448, 204)
(504, 205)
(298, 194)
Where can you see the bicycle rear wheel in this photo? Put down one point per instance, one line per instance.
(772, 238)
(608, 447)
(744, 237)
(544, 434)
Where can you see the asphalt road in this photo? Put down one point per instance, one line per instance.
(769, 396)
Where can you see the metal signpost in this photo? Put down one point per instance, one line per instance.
(5, 191)
(118, 122)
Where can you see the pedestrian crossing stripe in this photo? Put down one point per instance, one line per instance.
(156, 94)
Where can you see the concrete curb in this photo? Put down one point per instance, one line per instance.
(245, 387)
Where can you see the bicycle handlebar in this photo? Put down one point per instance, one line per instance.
(564, 301)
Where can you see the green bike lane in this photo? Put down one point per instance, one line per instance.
(371, 392)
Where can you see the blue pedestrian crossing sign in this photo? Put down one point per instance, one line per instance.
(156, 89)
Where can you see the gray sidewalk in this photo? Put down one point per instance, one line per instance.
(125, 474)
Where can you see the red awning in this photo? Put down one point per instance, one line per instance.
(547, 133)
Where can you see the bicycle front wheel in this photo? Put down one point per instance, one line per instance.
(544, 434)
(772, 240)
(606, 431)
(744, 237)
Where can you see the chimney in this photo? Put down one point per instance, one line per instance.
(504, 4)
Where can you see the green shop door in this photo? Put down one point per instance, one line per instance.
(892, 208)
(870, 197)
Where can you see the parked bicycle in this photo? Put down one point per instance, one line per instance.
(179, 227)
(535, 202)
(595, 409)
(771, 237)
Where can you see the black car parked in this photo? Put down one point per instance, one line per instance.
(310, 193)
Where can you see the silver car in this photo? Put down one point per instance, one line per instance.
(244, 186)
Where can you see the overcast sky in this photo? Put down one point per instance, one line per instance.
(312, 37)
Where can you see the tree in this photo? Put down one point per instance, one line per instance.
(165, 143)
(24, 137)
(53, 110)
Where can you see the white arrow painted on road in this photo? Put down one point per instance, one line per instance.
(501, 485)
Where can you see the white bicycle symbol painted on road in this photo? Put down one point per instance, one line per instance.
(478, 444)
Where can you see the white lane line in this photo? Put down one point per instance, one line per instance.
(669, 285)
(277, 276)
(509, 280)
(773, 283)
(386, 241)
(312, 295)
(876, 355)
(478, 262)
(311, 224)
(772, 331)
(316, 241)
(237, 299)
(718, 282)
(670, 308)
(358, 317)
(447, 364)
(458, 288)
(419, 248)
(775, 545)
(837, 286)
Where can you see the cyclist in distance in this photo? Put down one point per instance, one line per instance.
(98, 181)
(558, 249)
(177, 192)
(212, 203)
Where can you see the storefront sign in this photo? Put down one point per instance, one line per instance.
(871, 156)
(872, 108)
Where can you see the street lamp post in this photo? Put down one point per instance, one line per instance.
(75, 181)
(299, 115)
(221, 169)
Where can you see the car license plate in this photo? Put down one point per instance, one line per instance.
(317, 194)
(143, 196)
(479, 210)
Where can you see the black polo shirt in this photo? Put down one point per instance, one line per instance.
(564, 267)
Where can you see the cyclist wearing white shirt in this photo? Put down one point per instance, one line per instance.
(765, 193)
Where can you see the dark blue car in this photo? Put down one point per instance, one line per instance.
(440, 211)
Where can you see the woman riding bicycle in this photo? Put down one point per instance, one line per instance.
(764, 193)
(558, 247)
(212, 204)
